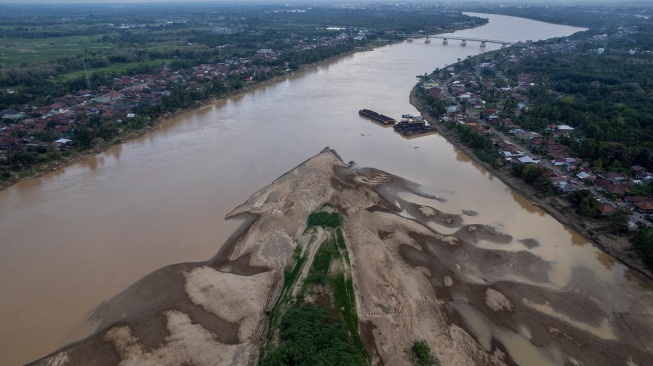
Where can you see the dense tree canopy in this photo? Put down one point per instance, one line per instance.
(310, 337)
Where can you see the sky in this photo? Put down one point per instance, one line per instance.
(534, 2)
(541, 2)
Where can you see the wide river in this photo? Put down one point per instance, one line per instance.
(79, 236)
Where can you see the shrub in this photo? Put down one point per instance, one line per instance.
(420, 354)
(324, 219)
(309, 336)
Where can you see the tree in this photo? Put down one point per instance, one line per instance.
(309, 336)
(586, 208)
(325, 219)
(641, 189)
(531, 173)
(619, 221)
(82, 138)
(10, 157)
(584, 202)
(643, 241)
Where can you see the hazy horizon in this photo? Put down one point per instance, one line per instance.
(459, 2)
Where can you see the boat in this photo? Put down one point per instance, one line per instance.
(410, 39)
(427, 40)
(407, 118)
(414, 128)
(377, 117)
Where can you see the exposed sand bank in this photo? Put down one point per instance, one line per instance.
(412, 283)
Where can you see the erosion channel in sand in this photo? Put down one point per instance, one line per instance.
(411, 283)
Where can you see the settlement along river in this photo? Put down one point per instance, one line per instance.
(81, 235)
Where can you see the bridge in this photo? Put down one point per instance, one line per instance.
(463, 40)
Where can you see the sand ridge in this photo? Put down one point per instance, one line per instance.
(410, 282)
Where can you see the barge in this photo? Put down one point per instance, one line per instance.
(377, 117)
(409, 129)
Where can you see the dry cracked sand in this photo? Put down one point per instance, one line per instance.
(412, 283)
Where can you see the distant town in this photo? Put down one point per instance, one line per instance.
(120, 102)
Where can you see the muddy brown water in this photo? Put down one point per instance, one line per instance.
(76, 237)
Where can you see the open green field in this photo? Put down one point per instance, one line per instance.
(121, 67)
(15, 52)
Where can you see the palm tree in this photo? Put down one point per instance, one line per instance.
(10, 157)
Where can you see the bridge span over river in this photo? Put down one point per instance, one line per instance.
(463, 40)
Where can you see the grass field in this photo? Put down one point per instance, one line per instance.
(15, 52)
(113, 68)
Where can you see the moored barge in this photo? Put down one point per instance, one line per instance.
(377, 117)
(413, 129)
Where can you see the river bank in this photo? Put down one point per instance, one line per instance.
(558, 207)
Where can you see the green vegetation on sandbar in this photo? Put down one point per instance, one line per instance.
(420, 355)
(317, 275)
(324, 219)
(309, 336)
(345, 300)
(340, 241)
(290, 275)
(320, 325)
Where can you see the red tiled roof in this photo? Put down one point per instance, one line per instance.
(605, 208)
(634, 199)
(646, 205)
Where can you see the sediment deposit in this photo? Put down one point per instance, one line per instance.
(472, 306)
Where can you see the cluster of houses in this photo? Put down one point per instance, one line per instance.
(31, 125)
(25, 126)
(50, 125)
(567, 172)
